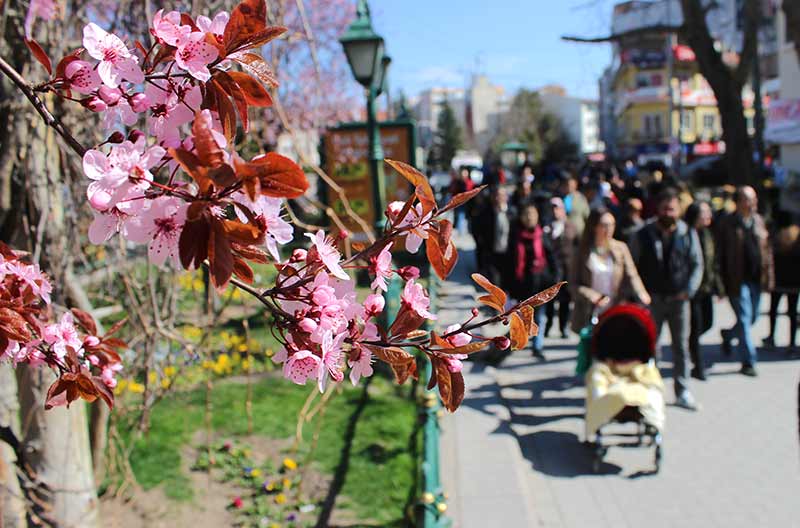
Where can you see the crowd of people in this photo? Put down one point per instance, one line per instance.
(620, 237)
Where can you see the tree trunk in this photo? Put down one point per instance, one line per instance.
(727, 87)
(12, 503)
(791, 8)
(55, 442)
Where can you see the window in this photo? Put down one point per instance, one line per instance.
(687, 121)
(652, 126)
(709, 123)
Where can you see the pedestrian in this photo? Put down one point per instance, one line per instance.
(668, 256)
(534, 265)
(492, 228)
(574, 202)
(603, 272)
(631, 219)
(746, 269)
(524, 191)
(461, 183)
(785, 243)
(699, 217)
(565, 242)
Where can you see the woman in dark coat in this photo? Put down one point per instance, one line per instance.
(533, 265)
(785, 243)
(698, 217)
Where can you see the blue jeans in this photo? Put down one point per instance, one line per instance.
(745, 306)
(540, 318)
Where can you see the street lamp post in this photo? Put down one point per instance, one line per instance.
(367, 59)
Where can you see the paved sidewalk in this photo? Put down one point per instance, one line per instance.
(512, 455)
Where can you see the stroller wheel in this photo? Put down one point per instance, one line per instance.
(658, 458)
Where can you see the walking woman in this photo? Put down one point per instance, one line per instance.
(533, 264)
(698, 217)
(603, 272)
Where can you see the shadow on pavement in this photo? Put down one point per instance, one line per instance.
(561, 454)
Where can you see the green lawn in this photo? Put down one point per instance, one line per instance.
(376, 474)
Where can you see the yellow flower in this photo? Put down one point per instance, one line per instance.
(208, 364)
(270, 486)
(136, 387)
(236, 357)
(274, 525)
(170, 371)
(246, 365)
(269, 352)
(120, 388)
(243, 347)
(287, 484)
(255, 473)
(152, 377)
(165, 383)
(223, 360)
(289, 463)
(280, 498)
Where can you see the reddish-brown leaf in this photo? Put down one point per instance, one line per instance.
(192, 166)
(245, 234)
(439, 341)
(442, 259)
(220, 258)
(13, 325)
(226, 110)
(55, 394)
(496, 298)
(519, 333)
(254, 92)
(103, 391)
(247, 27)
(252, 253)
(85, 320)
(272, 175)
(418, 180)
(389, 355)
(39, 55)
(242, 270)
(116, 328)
(407, 320)
(194, 241)
(443, 380)
(405, 370)
(462, 198)
(458, 389)
(114, 342)
(469, 348)
(232, 89)
(544, 296)
(526, 313)
(258, 67)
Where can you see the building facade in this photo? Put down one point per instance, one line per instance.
(784, 114)
(427, 106)
(579, 117)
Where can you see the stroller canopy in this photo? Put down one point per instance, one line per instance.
(625, 332)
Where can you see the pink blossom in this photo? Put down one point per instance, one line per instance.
(108, 374)
(217, 26)
(328, 254)
(194, 54)
(301, 366)
(408, 272)
(121, 112)
(62, 335)
(124, 169)
(31, 275)
(418, 231)
(11, 351)
(459, 339)
(453, 361)
(139, 102)
(415, 298)
(82, 77)
(381, 266)
(331, 360)
(171, 106)
(116, 62)
(106, 224)
(268, 211)
(44, 9)
(160, 226)
(362, 366)
(168, 27)
(374, 304)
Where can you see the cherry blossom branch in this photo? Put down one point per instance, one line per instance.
(41, 108)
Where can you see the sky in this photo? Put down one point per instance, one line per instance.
(516, 43)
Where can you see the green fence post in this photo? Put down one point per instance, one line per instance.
(432, 505)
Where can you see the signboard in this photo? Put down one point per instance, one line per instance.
(683, 53)
(644, 59)
(783, 121)
(345, 150)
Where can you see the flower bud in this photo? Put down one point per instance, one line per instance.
(475, 312)
(298, 255)
(374, 304)
(408, 272)
(134, 135)
(116, 137)
(394, 209)
(109, 95)
(343, 234)
(95, 104)
(91, 341)
(140, 102)
(502, 342)
(94, 360)
(307, 325)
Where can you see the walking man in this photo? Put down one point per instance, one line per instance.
(670, 263)
(746, 267)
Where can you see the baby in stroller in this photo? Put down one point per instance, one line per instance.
(623, 384)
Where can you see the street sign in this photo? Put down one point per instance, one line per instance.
(346, 161)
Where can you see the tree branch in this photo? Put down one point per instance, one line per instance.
(752, 21)
(614, 37)
(40, 107)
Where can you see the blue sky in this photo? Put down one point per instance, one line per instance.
(516, 43)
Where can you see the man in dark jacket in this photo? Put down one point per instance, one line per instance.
(670, 263)
(746, 267)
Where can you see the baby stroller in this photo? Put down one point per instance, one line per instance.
(623, 384)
